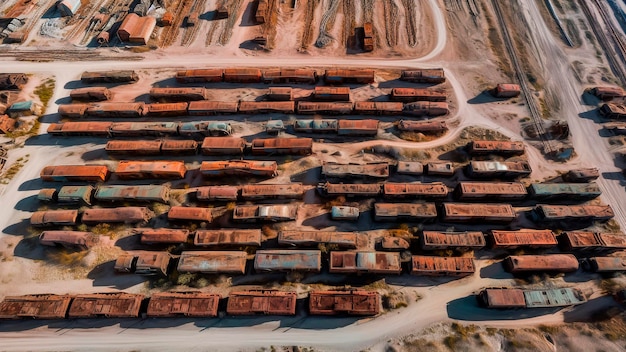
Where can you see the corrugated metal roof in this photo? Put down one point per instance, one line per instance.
(553, 298)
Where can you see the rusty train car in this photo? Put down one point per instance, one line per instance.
(54, 218)
(544, 212)
(274, 212)
(227, 237)
(73, 111)
(581, 175)
(200, 76)
(143, 263)
(280, 94)
(339, 76)
(121, 76)
(278, 191)
(181, 213)
(367, 127)
(185, 94)
(91, 94)
(369, 170)
(613, 111)
(590, 241)
(315, 125)
(442, 266)
(365, 262)
(267, 107)
(287, 260)
(410, 95)
(323, 93)
(115, 110)
(433, 240)
(605, 264)
(136, 129)
(498, 169)
(206, 108)
(166, 109)
(415, 190)
(607, 92)
(315, 238)
(239, 168)
(95, 128)
(69, 239)
(426, 108)
(162, 235)
(213, 262)
(217, 193)
(127, 215)
(187, 304)
(433, 75)
(483, 147)
(287, 75)
(155, 169)
(570, 191)
(109, 305)
(426, 127)
(264, 302)
(352, 302)
(64, 173)
(490, 190)
(349, 189)
(282, 146)
(39, 306)
(523, 238)
(406, 211)
(223, 146)
(152, 147)
(135, 193)
(242, 75)
(557, 263)
(468, 212)
(506, 90)
(512, 298)
(378, 108)
(321, 108)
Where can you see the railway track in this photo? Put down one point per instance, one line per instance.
(391, 22)
(182, 7)
(521, 77)
(411, 26)
(616, 58)
(190, 32)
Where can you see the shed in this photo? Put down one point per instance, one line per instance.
(135, 29)
(24, 108)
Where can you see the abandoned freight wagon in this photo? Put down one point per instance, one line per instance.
(207, 108)
(217, 193)
(143, 263)
(185, 94)
(426, 108)
(203, 129)
(470, 240)
(506, 90)
(282, 146)
(95, 128)
(145, 147)
(409, 95)
(54, 218)
(65, 173)
(433, 75)
(265, 302)
(543, 212)
(242, 75)
(442, 266)
(382, 108)
(498, 169)
(604, 264)
(115, 110)
(467, 190)
(569, 191)
(554, 263)
(349, 189)
(607, 93)
(287, 260)
(210, 75)
(179, 147)
(405, 211)
(425, 127)
(223, 146)
(69, 239)
(523, 238)
(342, 171)
(213, 262)
(439, 168)
(382, 263)
(511, 298)
(90, 94)
(280, 94)
(480, 147)
(321, 108)
(322, 93)
(342, 212)
(138, 193)
(315, 126)
(166, 109)
(351, 302)
(468, 212)
(299, 238)
(278, 191)
(357, 127)
(109, 77)
(589, 241)
(288, 75)
(75, 194)
(47, 195)
(227, 238)
(613, 111)
(415, 190)
(157, 169)
(581, 175)
(339, 76)
(42, 306)
(127, 215)
(267, 107)
(414, 168)
(275, 212)
(239, 168)
(162, 235)
(134, 129)
(183, 304)
(181, 213)
(108, 305)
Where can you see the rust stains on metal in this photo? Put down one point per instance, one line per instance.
(126, 215)
(288, 260)
(390, 243)
(367, 127)
(490, 190)
(188, 304)
(504, 298)
(227, 237)
(280, 191)
(266, 107)
(280, 94)
(217, 193)
(408, 211)
(69, 239)
(44, 306)
(605, 264)
(72, 111)
(465, 212)
(287, 75)
(350, 189)
(126, 129)
(109, 77)
(63, 173)
(200, 75)
(95, 128)
(133, 147)
(545, 212)
(498, 169)
(414, 168)
(330, 108)
(507, 90)
(108, 305)
(223, 146)
(315, 238)
(205, 107)
(365, 262)
(408, 95)
(585, 241)
(54, 217)
(143, 263)
(562, 263)
(433, 240)
(117, 109)
(242, 75)
(429, 190)
(581, 175)
(373, 170)
(442, 266)
(423, 126)
(277, 212)
(239, 168)
(282, 146)
(267, 302)
(352, 302)
(75, 194)
(171, 146)
(162, 236)
(213, 262)
(607, 92)
(331, 93)
(91, 94)
(136, 29)
(166, 109)
(496, 147)
(378, 108)
(179, 94)
(523, 238)
(439, 168)
(433, 75)
(141, 193)
(190, 214)
(150, 169)
(426, 108)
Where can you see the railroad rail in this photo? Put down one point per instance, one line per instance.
(190, 32)
(519, 72)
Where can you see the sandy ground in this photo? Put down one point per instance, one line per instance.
(441, 301)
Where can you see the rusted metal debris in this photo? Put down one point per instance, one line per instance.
(605, 264)
(108, 305)
(467, 212)
(128, 215)
(466, 190)
(179, 303)
(162, 236)
(589, 241)
(143, 263)
(181, 213)
(442, 266)
(391, 243)
(352, 302)
(373, 170)
(64, 173)
(266, 302)
(213, 262)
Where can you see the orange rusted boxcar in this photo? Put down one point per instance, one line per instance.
(352, 302)
(121, 76)
(415, 190)
(178, 94)
(506, 90)
(496, 147)
(287, 260)
(266, 302)
(330, 108)
(270, 212)
(91, 94)
(442, 266)
(265, 107)
(95, 128)
(290, 75)
(331, 93)
(227, 238)
(523, 238)
(242, 75)
(545, 212)
(179, 303)
(239, 168)
(223, 146)
(425, 127)
(357, 127)
(280, 94)
(162, 236)
(408, 95)
(126, 129)
(108, 305)
(605, 264)
(378, 108)
(64, 173)
(143, 263)
(206, 107)
(190, 214)
(433, 240)
(150, 169)
(432, 75)
(405, 211)
(179, 147)
(117, 109)
(466, 212)
(69, 239)
(43, 306)
(562, 263)
(73, 111)
(490, 190)
(281, 191)
(282, 146)
(145, 147)
(217, 193)
(589, 241)
(166, 109)
(365, 262)
(54, 217)
(315, 238)
(127, 215)
(426, 108)
(200, 75)
(213, 262)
